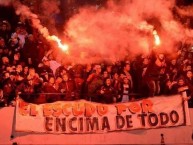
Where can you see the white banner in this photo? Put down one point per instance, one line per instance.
(87, 117)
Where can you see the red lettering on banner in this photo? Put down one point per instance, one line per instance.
(47, 110)
(120, 108)
(134, 108)
(78, 109)
(57, 110)
(33, 111)
(23, 108)
(102, 109)
(89, 109)
(65, 109)
(147, 106)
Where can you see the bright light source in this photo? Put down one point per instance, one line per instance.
(64, 47)
(156, 38)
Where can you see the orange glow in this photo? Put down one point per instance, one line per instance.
(156, 37)
(64, 47)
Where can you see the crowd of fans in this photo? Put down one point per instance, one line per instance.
(29, 70)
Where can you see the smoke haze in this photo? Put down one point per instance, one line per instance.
(124, 28)
(5, 2)
(25, 12)
(117, 30)
(49, 8)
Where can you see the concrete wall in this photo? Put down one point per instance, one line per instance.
(172, 135)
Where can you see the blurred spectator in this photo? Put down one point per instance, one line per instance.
(5, 28)
(45, 71)
(126, 73)
(2, 43)
(68, 87)
(25, 72)
(170, 88)
(116, 81)
(107, 94)
(189, 78)
(20, 34)
(29, 51)
(50, 62)
(9, 87)
(61, 70)
(152, 74)
(50, 90)
(124, 90)
(94, 82)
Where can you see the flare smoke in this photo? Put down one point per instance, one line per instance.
(25, 12)
(124, 28)
(5, 2)
(119, 29)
